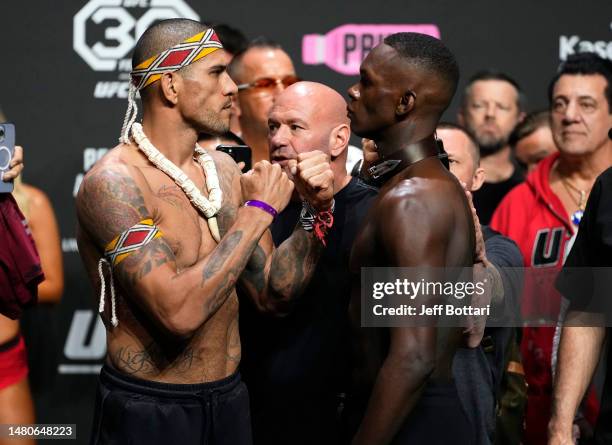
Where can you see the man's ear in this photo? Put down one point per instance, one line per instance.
(170, 84)
(406, 104)
(478, 179)
(338, 140)
(461, 117)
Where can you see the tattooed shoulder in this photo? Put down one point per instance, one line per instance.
(109, 201)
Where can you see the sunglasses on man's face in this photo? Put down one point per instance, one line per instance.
(269, 83)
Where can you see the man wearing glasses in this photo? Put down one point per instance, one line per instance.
(261, 72)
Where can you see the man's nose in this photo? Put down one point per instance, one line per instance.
(490, 111)
(279, 138)
(230, 88)
(572, 113)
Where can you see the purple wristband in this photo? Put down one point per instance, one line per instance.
(263, 206)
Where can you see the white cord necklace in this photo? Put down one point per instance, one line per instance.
(209, 207)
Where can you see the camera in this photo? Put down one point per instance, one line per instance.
(7, 149)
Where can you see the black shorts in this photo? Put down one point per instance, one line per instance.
(134, 411)
(438, 418)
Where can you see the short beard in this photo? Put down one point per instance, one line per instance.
(212, 124)
(489, 146)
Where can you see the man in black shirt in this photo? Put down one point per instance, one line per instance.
(491, 107)
(296, 367)
(583, 336)
(478, 371)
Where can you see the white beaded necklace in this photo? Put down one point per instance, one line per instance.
(209, 207)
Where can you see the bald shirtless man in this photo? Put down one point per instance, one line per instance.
(169, 303)
(404, 392)
(302, 360)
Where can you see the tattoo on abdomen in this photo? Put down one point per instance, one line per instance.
(152, 360)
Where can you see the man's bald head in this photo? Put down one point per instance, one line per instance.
(323, 103)
(309, 116)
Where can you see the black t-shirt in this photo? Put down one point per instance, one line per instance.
(488, 197)
(305, 353)
(478, 371)
(588, 289)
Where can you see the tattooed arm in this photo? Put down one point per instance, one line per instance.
(274, 278)
(111, 200)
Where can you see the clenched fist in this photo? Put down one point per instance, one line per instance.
(314, 179)
(267, 183)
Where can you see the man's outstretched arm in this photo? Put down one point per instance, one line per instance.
(275, 277)
(111, 201)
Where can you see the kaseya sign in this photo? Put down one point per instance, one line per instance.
(106, 31)
(344, 48)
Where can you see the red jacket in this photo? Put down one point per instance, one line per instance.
(534, 217)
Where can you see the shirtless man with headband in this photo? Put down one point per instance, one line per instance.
(404, 392)
(166, 232)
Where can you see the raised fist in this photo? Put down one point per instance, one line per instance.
(268, 183)
(314, 179)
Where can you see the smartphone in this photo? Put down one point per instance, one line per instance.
(7, 149)
(240, 153)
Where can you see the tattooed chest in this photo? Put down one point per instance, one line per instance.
(184, 229)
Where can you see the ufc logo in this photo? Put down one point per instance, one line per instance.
(121, 29)
(547, 247)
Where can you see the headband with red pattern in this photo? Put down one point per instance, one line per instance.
(188, 51)
(175, 58)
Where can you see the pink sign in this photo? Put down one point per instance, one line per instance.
(344, 48)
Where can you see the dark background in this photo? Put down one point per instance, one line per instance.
(47, 90)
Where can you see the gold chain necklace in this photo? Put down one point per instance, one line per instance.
(576, 217)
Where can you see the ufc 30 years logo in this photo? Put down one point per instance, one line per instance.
(105, 31)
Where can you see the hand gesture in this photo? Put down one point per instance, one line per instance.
(314, 179)
(267, 183)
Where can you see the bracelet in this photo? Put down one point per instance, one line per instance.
(320, 222)
(263, 206)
